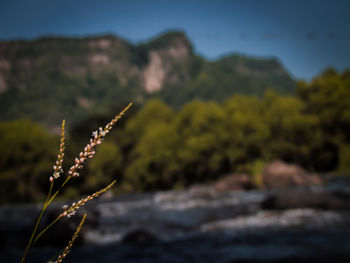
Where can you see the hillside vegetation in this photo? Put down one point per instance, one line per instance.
(53, 78)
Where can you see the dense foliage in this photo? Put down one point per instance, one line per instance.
(157, 147)
(27, 157)
(328, 98)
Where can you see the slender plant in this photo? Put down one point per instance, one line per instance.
(87, 153)
(70, 243)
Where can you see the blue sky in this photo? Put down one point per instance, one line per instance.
(307, 36)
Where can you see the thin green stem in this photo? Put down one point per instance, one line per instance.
(30, 243)
(48, 201)
(46, 228)
(70, 243)
(56, 193)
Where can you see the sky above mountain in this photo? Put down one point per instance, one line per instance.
(307, 36)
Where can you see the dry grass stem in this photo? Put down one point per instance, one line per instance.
(71, 242)
(97, 137)
(57, 168)
(75, 206)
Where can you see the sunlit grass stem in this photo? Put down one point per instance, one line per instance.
(88, 152)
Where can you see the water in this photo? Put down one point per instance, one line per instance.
(197, 225)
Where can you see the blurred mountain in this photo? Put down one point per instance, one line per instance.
(53, 78)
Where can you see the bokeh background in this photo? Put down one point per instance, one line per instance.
(233, 101)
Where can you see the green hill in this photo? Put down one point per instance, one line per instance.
(52, 78)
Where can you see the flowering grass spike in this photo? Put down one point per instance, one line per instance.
(71, 242)
(88, 152)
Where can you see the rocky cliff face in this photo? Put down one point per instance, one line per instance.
(163, 58)
(76, 77)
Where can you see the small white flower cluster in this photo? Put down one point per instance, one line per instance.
(57, 169)
(71, 211)
(74, 207)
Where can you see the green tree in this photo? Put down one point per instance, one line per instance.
(200, 127)
(152, 113)
(296, 136)
(328, 96)
(27, 155)
(154, 162)
(144, 144)
(247, 131)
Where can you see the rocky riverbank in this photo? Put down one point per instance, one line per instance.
(197, 225)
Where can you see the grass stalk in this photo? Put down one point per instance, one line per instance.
(30, 243)
(71, 242)
(74, 207)
(88, 152)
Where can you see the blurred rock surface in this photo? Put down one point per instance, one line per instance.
(201, 224)
(280, 175)
(234, 182)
